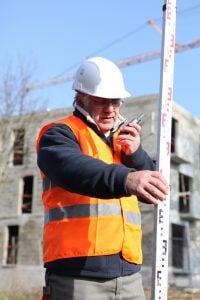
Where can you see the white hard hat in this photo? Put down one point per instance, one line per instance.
(100, 77)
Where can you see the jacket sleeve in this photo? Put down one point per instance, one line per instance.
(60, 159)
(139, 160)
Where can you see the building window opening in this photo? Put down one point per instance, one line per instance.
(27, 194)
(173, 135)
(184, 193)
(178, 235)
(18, 147)
(12, 246)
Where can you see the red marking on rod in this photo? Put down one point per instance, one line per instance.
(169, 12)
(169, 94)
(172, 41)
(168, 146)
(164, 119)
(166, 64)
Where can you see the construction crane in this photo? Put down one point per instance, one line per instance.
(132, 60)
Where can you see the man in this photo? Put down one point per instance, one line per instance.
(93, 177)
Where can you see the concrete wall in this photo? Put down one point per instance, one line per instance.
(29, 272)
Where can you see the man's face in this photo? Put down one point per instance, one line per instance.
(104, 111)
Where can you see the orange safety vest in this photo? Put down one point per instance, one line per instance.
(76, 225)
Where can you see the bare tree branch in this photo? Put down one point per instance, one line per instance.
(16, 102)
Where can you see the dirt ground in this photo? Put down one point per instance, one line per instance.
(173, 294)
(177, 294)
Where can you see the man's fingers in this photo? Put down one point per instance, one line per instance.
(157, 192)
(158, 175)
(149, 185)
(158, 185)
(152, 194)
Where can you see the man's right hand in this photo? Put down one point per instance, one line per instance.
(149, 185)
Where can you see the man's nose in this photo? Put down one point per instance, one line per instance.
(109, 107)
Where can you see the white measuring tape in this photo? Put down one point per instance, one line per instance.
(161, 220)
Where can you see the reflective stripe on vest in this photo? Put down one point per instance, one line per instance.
(89, 210)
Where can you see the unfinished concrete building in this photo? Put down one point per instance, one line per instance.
(21, 216)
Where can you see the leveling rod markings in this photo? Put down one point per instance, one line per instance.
(161, 218)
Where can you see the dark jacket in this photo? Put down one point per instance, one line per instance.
(60, 159)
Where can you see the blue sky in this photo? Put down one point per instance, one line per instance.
(55, 36)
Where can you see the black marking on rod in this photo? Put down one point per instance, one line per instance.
(161, 216)
(159, 277)
(164, 247)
